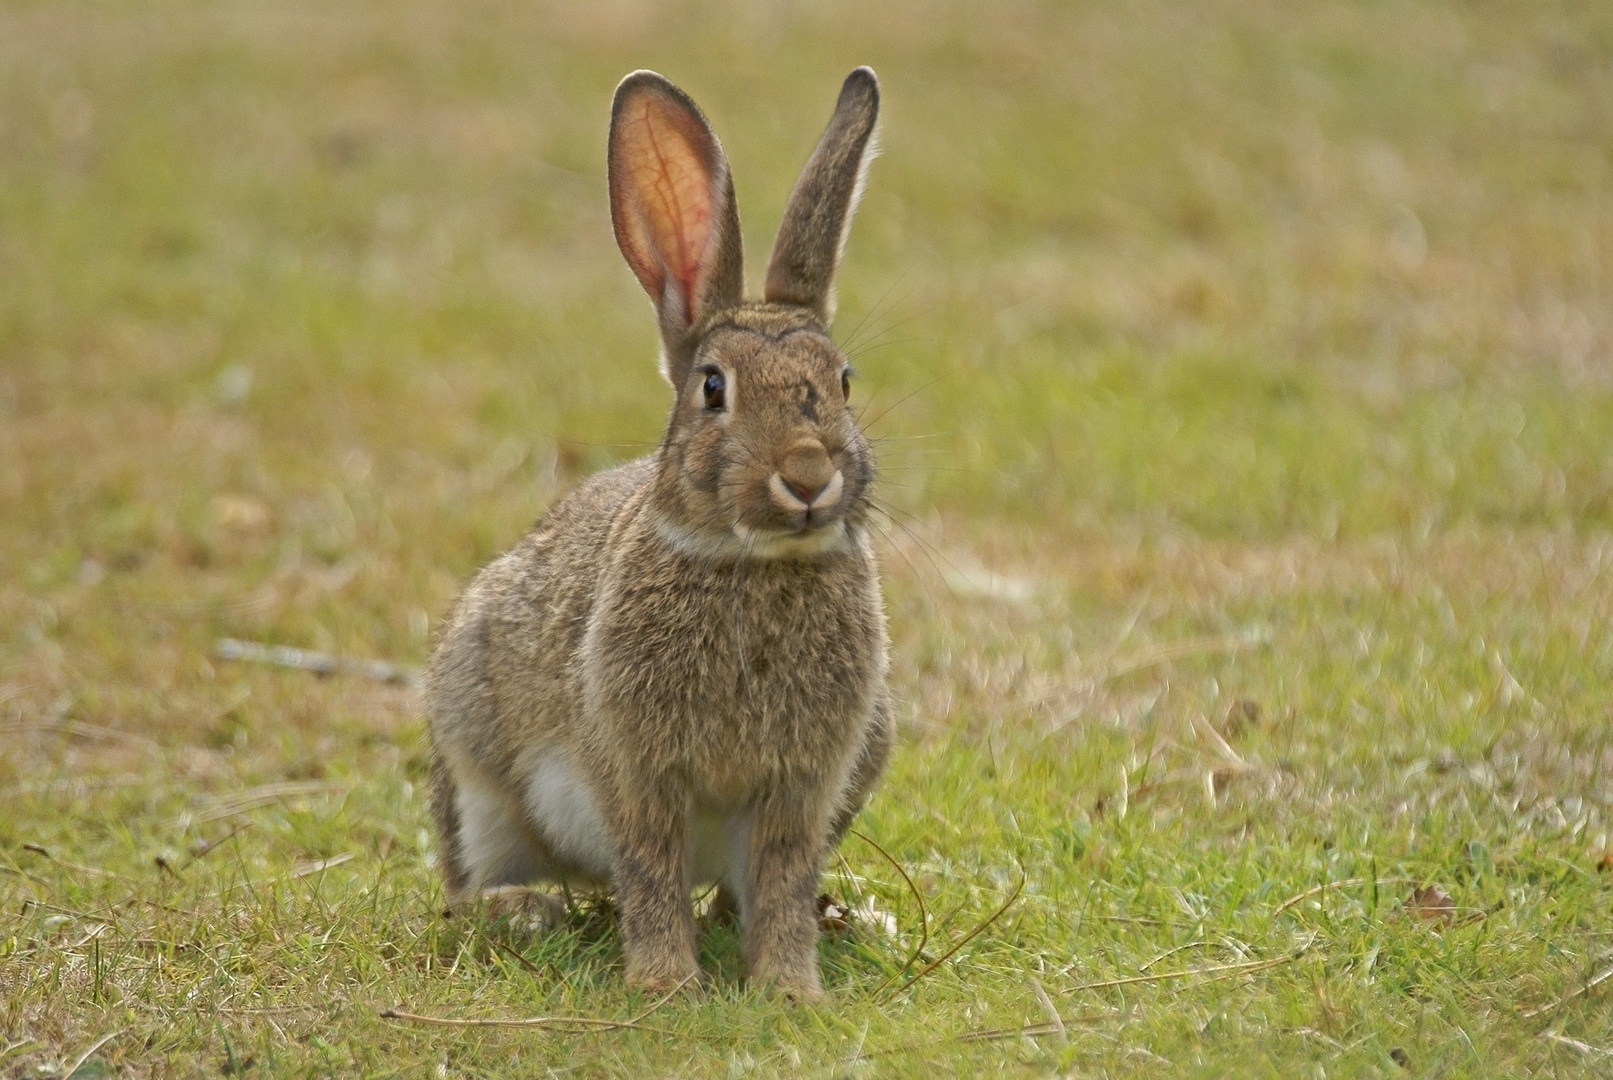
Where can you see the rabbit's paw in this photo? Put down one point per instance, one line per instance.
(527, 910)
(802, 989)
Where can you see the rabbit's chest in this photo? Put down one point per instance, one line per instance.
(739, 673)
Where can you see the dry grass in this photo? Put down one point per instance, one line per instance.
(1244, 376)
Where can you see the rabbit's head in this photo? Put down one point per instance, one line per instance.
(762, 456)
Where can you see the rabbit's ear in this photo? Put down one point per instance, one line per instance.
(672, 203)
(818, 216)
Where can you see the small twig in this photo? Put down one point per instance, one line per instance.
(924, 915)
(68, 1072)
(1591, 984)
(523, 1022)
(1052, 1027)
(317, 662)
(531, 968)
(546, 1021)
(1060, 1028)
(1029, 1031)
(93, 871)
(1346, 883)
(1137, 920)
(664, 998)
(1171, 952)
(1219, 971)
(971, 935)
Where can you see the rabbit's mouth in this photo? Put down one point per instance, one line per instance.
(797, 513)
(794, 543)
(745, 541)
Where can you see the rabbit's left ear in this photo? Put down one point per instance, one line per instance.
(672, 204)
(818, 216)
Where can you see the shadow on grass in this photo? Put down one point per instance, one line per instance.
(585, 951)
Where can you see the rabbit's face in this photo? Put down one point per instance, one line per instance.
(765, 448)
(762, 458)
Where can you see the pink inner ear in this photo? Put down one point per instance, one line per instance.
(664, 160)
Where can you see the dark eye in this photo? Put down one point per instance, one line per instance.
(714, 387)
(845, 384)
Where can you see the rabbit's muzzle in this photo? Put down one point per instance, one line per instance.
(807, 486)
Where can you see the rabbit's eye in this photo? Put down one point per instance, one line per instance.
(715, 387)
(845, 384)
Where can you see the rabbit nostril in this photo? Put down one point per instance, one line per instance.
(805, 492)
(813, 492)
(806, 470)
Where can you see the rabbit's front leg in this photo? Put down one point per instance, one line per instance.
(652, 887)
(778, 905)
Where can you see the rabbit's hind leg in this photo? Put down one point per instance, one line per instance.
(489, 852)
(865, 774)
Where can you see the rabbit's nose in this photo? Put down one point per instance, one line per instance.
(808, 474)
(805, 494)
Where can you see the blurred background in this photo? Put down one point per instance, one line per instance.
(306, 311)
(1242, 376)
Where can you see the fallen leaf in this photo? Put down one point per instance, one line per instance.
(832, 915)
(838, 917)
(1432, 904)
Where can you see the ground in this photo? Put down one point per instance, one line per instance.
(1243, 379)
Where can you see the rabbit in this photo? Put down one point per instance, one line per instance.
(679, 677)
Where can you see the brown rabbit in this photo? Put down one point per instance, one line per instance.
(679, 676)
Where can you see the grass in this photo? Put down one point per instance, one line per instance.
(1244, 379)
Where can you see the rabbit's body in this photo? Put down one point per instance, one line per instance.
(678, 676)
(599, 652)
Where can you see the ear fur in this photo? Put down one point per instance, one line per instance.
(817, 218)
(672, 206)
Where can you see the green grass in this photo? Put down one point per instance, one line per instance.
(1244, 379)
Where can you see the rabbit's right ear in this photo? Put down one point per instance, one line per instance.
(672, 204)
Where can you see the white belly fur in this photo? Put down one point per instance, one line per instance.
(566, 814)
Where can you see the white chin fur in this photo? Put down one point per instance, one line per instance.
(747, 543)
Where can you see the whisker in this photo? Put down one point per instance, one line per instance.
(852, 337)
(863, 346)
(931, 552)
(918, 577)
(899, 402)
(907, 438)
(876, 345)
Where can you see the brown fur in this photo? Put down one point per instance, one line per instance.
(694, 641)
